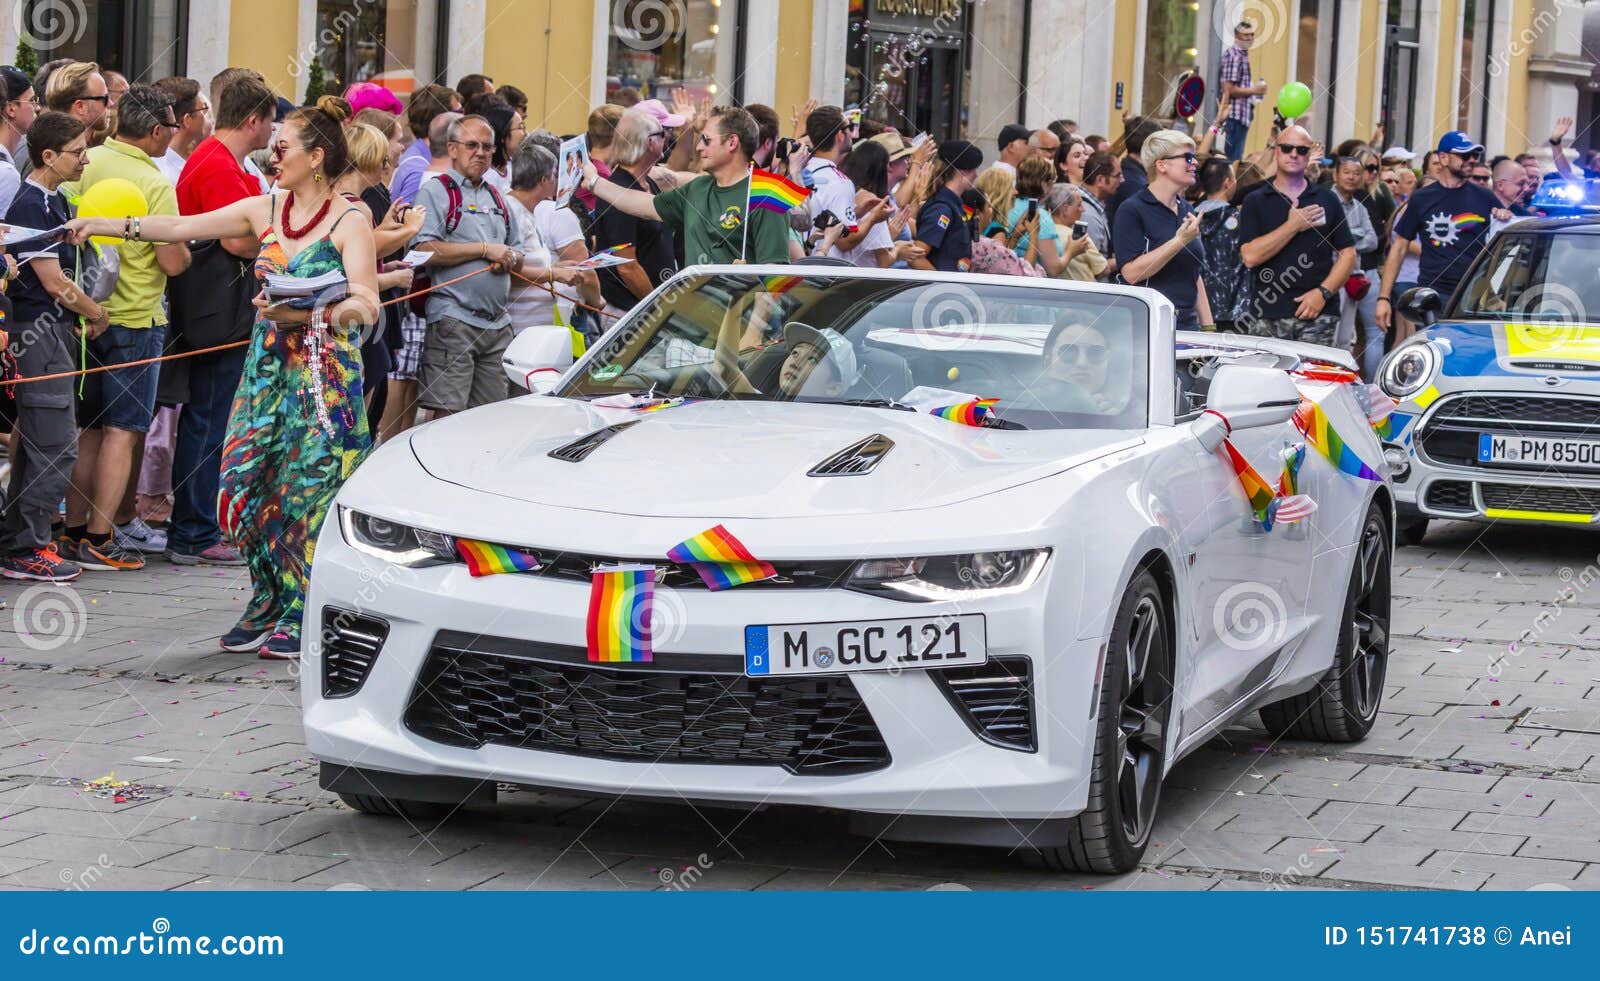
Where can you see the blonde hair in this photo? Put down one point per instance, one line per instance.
(1163, 143)
(68, 84)
(999, 189)
(632, 137)
(368, 148)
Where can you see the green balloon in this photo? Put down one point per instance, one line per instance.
(1294, 99)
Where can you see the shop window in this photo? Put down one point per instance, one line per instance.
(1319, 23)
(1169, 52)
(1400, 72)
(907, 65)
(657, 47)
(390, 42)
(1477, 45)
(142, 39)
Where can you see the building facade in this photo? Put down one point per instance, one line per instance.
(1503, 70)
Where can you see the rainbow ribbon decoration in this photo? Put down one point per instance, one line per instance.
(1319, 432)
(618, 629)
(1293, 459)
(775, 192)
(1285, 506)
(973, 413)
(721, 559)
(1256, 489)
(488, 559)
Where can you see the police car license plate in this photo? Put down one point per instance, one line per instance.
(1583, 454)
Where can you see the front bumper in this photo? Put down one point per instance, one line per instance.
(938, 764)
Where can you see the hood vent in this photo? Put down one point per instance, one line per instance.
(856, 459)
(579, 449)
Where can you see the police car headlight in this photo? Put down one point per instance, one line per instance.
(1409, 370)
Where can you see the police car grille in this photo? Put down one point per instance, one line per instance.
(1450, 435)
(1571, 500)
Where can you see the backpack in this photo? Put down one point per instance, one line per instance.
(421, 283)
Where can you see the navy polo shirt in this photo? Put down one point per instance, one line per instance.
(35, 207)
(1142, 224)
(942, 225)
(1302, 264)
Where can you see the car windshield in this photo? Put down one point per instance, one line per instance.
(1054, 359)
(1535, 277)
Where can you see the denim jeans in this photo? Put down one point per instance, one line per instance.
(197, 459)
(1234, 132)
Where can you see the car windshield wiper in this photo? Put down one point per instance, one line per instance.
(874, 404)
(995, 422)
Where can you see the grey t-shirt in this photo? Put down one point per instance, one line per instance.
(481, 300)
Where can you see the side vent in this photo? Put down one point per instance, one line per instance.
(579, 449)
(856, 459)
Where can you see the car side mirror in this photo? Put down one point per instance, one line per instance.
(1245, 397)
(536, 358)
(1421, 304)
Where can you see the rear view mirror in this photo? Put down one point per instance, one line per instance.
(536, 358)
(1246, 397)
(1421, 304)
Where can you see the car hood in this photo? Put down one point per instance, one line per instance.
(730, 459)
(1476, 349)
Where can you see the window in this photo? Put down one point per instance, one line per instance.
(1169, 52)
(1477, 45)
(1314, 63)
(390, 42)
(1400, 71)
(142, 39)
(656, 47)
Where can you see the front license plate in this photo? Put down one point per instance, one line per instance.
(865, 645)
(1583, 454)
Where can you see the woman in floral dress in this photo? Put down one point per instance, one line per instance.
(298, 427)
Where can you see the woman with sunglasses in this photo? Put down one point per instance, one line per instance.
(1075, 374)
(1155, 234)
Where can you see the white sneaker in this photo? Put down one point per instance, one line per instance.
(140, 537)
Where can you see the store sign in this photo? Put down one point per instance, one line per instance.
(940, 16)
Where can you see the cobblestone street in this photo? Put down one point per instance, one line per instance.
(1483, 771)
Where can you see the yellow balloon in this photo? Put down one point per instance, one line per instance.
(114, 197)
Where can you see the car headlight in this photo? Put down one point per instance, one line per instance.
(939, 577)
(1409, 370)
(395, 542)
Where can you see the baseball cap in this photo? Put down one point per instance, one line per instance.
(659, 113)
(961, 155)
(1398, 153)
(1012, 132)
(13, 82)
(898, 148)
(1456, 141)
(837, 352)
(371, 95)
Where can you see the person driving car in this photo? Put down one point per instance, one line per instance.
(820, 363)
(1074, 379)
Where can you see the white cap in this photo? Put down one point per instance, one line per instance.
(836, 351)
(1399, 153)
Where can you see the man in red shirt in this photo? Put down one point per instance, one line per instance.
(211, 306)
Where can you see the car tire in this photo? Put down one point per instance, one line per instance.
(1344, 704)
(1410, 527)
(1130, 752)
(414, 810)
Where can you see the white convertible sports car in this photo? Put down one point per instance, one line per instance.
(994, 623)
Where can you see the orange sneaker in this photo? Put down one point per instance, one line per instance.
(109, 557)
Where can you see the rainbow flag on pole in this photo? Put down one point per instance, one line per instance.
(1319, 432)
(721, 559)
(1255, 487)
(972, 413)
(775, 192)
(488, 559)
(618, 628)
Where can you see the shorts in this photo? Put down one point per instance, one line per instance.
(1320, 330)
(408, 356)
(123, 398)
(461, 366)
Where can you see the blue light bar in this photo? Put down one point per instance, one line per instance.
(1564, 195)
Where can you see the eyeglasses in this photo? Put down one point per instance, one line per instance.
(35, 103)
(171, 125)
(1294, 148)
(655, 133)
(1189, 157)
(1088, 354)
(473, 146)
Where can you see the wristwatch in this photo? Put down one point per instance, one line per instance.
(1327, 294)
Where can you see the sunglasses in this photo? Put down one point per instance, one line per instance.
(1089, 354)
(1371, 168)
(1189, 157)
(1293, 148)
(1479, 178)
(103, 99)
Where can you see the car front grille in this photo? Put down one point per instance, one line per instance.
(579, 567)
(1450, 434)
(1451, 495)
(1571, 500)
(351, 643)
(475, 691)
(995, 699)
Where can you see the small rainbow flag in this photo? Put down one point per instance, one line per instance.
(618, 629)
(967, 211)
(657, 405)
(972, 413)
(1293, 459)
(488, 559)
(1256, 489)
(1319, 432)
(721, 559)
(775, 192)
(779, 285)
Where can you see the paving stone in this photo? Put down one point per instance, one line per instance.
(229, 862)
(1407, 876)
(1548, 870)
(1469, 841)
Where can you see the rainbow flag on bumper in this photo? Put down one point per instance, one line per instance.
(1319, 432)
(722, 560)
(775, 192)
(972, 413)
(489, 559)
(618, 628)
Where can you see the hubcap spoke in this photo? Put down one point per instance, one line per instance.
(1141, 724)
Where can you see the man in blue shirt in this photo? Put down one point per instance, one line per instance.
(942, 224)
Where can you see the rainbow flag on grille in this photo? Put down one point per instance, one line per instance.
(722, 560)
(775, 192)
(488, 559)
(1319, 432)
(618, 628)
(972, 413)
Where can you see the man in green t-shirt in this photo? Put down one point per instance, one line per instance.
(709, 211)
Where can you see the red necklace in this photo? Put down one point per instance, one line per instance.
(292, 233)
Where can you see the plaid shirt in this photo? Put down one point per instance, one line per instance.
(1236, 69)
